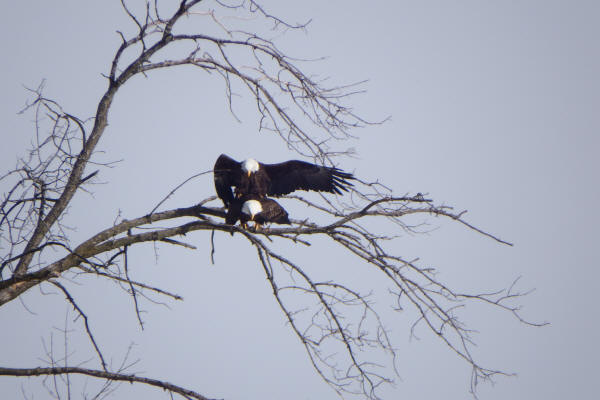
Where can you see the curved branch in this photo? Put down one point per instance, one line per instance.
(39, 371)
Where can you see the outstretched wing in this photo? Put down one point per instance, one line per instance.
(227, 173)
(300, 175)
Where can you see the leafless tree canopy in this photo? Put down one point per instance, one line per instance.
(339, 327)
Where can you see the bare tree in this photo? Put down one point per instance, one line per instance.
(340, 328)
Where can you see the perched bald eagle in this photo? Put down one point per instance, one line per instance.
(258, 210)
(251, 177)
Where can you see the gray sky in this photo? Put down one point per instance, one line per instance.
(494, 109)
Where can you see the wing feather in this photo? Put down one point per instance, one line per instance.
(227, 173)
(294, 175)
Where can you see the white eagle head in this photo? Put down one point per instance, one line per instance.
(251, 208)
(250, 166)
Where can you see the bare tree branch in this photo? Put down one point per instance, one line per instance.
(85, 321)
(111, 376)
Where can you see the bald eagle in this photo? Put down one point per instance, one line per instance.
(258, 210)
(251, 177)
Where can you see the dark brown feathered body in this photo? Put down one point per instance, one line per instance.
(251, 178)
(264, 211)
(271, 212)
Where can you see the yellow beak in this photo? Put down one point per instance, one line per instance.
(249, 174)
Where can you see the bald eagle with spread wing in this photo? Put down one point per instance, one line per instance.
(252, 178)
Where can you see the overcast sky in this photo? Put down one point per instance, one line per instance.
(494, 109)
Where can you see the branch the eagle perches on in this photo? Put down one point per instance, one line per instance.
(434, 301)
(311, 119)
